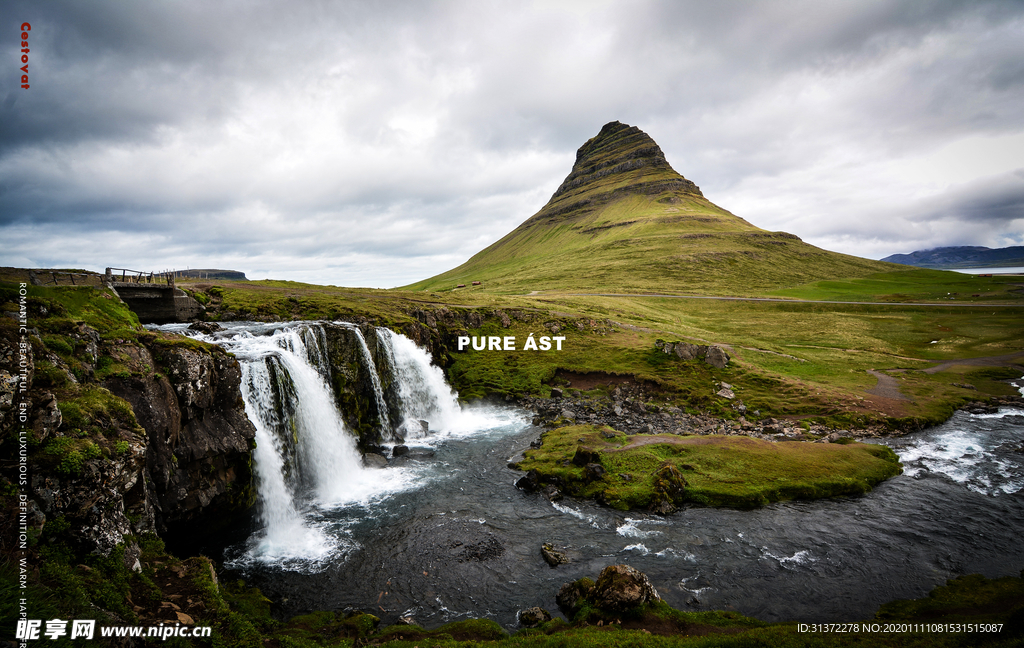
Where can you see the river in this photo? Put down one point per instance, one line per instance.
(448, 536)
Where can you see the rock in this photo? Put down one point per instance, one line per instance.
(533, 617)
(621, 588)
(572, 596)
(552, 493)
(568, 414)
(205, 327)
(725, 393)
(669, 490)
(399, 450)
(47, 418)
(553, 556)
(556, 392)
(716, 357)
(687, 351)
(530, 482)
(586, 456)
(593, 472)
(374, 460)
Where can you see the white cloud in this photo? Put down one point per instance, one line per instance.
(377, 144)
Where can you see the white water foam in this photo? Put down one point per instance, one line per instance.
(669, 552)
(638, 547)
(568, 510)
(983, 463)
(1002, 413)
(631, 528)
(802, 557)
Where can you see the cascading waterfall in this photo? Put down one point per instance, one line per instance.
(422, 389)
(306, 461)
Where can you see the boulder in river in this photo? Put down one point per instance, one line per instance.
(553, 556)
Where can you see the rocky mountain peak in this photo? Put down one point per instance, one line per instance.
(625, 152)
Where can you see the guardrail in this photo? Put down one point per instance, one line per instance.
(55, 276)
(124, 275)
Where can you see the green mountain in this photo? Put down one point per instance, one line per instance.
(625, 221)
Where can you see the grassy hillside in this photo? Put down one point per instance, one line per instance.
(625, 221)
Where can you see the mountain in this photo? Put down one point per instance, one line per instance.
(625, 221)
(962, 257)
(211, 273)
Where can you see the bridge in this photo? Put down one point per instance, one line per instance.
(152, 295)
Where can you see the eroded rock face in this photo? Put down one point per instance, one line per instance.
(92, 499)
(198, 459)
(352, 382)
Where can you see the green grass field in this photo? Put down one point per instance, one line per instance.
(739, 472)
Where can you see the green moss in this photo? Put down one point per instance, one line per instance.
(59, 345)
(644, 471)
(47, 375)
(66, 455)
(95, 409)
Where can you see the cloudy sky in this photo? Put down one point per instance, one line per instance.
(378, 143)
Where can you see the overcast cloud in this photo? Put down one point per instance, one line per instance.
(379, 143)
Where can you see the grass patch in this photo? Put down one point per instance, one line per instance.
(642, 471)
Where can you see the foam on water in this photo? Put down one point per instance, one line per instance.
(631, 528)
(669, 552)
(802, 557)
(979, 451)
(568, 510)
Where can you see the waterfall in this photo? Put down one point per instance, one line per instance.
(285, 533)
(422, 390)
(306, 461)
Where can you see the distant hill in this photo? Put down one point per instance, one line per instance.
(625, 221)
(209, 273)
(962, 257)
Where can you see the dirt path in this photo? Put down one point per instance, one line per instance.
(1015, 359)
(887, 387)
(779, 300)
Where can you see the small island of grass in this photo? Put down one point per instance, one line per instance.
(663, 471)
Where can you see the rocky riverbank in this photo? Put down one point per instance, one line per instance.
(631, 408)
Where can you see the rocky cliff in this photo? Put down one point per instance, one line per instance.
(126, 431)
